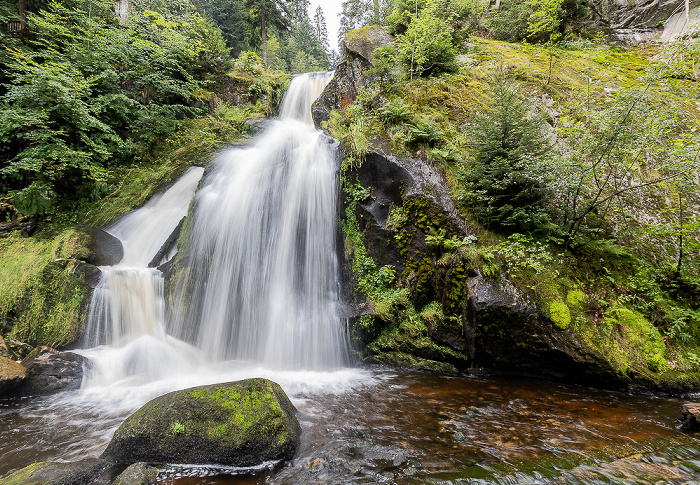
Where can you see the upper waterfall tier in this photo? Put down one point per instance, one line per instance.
(302, 92)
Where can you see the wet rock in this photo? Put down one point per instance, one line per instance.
(623, 14)
(12, 374)
(51, 371)
(52, 473)
(5, 350)
(99, 248)
(167, 246)
(690, 413)
(350, 76)
(138, 474)
(242, 423)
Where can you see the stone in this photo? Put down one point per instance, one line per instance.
(5, 350)
(99, 248)
(138, 474)
(255, 125)
(51, 371)
(12, 374)
(243, 423)
(53, 473)
(690, 416)
(350, 76)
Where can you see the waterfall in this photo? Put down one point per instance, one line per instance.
(263, 276)
(259, 282)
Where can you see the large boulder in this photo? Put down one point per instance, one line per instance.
(53, 473)
(51, 371)
(12, 374)
(98, 247)
(242, 423)
(350, 76)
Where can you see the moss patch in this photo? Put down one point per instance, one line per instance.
(559, 313)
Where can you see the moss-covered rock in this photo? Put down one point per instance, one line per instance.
(138, 474)
(53, 473)
(242, 423)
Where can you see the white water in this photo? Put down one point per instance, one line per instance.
(263, 284)
(261, 294)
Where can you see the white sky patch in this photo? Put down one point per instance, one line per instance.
(331, 9)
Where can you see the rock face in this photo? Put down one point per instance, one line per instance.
(52, 473)
(690, 413)
(639, 14)
(51, 371)
(12, 374)
(242, 423)
(350, 76)
(481, 321)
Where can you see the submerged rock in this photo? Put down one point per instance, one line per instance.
(51, 371)
(52, 473)
(12, 374)
(242, 423)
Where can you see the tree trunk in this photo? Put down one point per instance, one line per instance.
(687, 14)
(22, 8)
(263, 34)
(121, 10)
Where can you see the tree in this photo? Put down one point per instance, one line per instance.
(618, 158)
(274, 12)
(426, 46)
(545, 21)
(501, 185)
(304, 41)
(321, 28)
(229, 16)
(299, 9)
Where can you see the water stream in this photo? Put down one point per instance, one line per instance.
(258, 296)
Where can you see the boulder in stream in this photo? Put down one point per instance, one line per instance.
(51, 371)
(98, 247)
(12, 374)
(243, 423)
(53, 473)
(690, 413)
(138, 474)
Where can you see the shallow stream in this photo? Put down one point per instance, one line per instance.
(387, 426)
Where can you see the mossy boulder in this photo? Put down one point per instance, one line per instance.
(138, 474)
(12, 374)
(53, 473)
(242, 423)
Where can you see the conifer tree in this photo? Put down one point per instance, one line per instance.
(321, 28)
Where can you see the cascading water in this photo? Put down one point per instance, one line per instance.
(263, 278)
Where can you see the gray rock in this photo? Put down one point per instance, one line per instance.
(638, 14)
(362, 42)
(255, 125)
(50, 372)
(242, 423)
(99, 247)
(138, 474)
(52, 473)
(690, 412)
(12, 374)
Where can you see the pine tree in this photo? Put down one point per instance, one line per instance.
(501, 186)
(321, 28)
(275, 12)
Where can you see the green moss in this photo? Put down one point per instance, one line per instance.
(575, 297)
(559, 314)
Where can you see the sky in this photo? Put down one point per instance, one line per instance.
(331, 9)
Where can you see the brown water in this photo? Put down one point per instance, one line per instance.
(403, 427)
